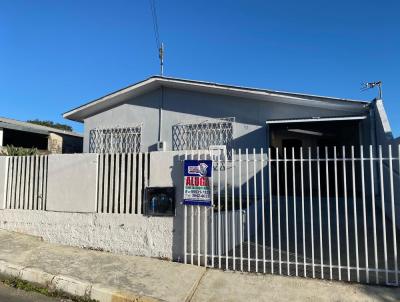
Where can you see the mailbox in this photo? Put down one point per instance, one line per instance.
(160, 201)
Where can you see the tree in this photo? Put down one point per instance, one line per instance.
(51, 124)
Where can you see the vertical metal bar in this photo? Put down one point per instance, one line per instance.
(320, 215)
(337, 214)
(205, 223)
(383, 213)
(270, 211)
(241, 210)
(328, 205)
(128, 183)
(17, 181)
(311, 211)
(42, 188)
(32, 181)
(371, 162)
(233, 211)
(140, 184)
(40, 182)
(219, 210)
(191, 226)
(353, 170)
(185, 250)
(346, 213)
(27, 182)
(198, 225)
(106, 183)
(364, 213)
(22, 189)
(117, 183)
(287, 213)
(111, 186)
(394, 229)
(279, 211)
(255, 208)
(294, 210)
(36, 191)
(248, 209)
(302, 212)
(226, 213)
(134, 179)
(263, 208)
(46, 174)
(212, 213)
(122, 184)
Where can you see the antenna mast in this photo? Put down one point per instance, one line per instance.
(161, 56)
(369, 85)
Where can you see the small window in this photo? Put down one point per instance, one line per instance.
(115, 140)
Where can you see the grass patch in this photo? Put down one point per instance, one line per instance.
(29, 287)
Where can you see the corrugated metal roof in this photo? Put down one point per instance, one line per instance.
(8, 123)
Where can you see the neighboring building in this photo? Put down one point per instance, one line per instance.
(45, 139)
(175, 114)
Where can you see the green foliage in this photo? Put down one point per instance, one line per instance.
(29, 287)
(51, 124)
(10, 150)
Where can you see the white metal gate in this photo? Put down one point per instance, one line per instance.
(329, 213)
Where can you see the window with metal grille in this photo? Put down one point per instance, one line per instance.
(115, 140)
(202, 135)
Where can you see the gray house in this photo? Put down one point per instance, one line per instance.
(162, 113)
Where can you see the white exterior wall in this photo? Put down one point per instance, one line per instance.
(72, 183)
(122, 233)
(188, 106)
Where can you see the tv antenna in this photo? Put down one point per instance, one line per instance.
(370, 85)
(160, 45)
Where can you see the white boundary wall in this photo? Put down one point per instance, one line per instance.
(121, 233)
(71, 215)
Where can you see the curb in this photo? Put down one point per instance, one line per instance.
(69, 285)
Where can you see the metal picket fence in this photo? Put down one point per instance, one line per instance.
(330, 213)
(26, 186)
(122, 179)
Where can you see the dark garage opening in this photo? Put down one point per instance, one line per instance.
(305, 137)
(24, 139)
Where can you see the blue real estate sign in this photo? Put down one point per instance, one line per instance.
(197, 188)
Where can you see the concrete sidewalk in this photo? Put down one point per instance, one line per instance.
(109, 277)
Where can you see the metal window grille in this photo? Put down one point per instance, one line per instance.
(200, 136)
(115, 140)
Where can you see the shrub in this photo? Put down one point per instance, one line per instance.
(11, 150)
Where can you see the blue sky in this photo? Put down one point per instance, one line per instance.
(56, 55)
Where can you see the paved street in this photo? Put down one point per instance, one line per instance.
(10, 294)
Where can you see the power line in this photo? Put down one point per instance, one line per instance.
(160, 45)
(155, 22)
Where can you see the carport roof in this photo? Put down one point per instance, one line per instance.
(8, 123)
(154, 82)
